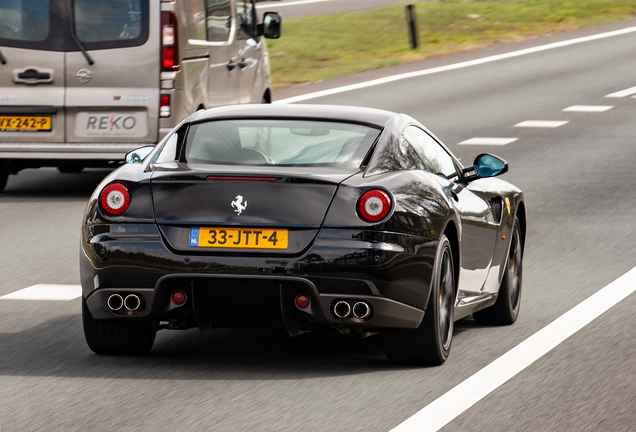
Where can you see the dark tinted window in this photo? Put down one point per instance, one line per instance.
(279, 142)
(111, 23)
(218, 20)
(24, 20)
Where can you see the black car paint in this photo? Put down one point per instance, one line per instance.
(388, 263)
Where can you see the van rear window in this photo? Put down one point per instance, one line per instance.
(111, 23)
(24, 20)
(99, 24)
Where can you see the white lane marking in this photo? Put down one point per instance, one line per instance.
(620, 94)
(541, 123)
(589, 108)
(488, 141)
(453, 66)
(277, 4)
(441, 411)
(46, 292)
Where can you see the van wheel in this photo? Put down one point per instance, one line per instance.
(112, 337)
(4, 175)
(3, 181)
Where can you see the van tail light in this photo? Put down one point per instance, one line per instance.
(169, 42)
(164, 105)
(115, 198)
(374, 205)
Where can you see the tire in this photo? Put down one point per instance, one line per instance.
(506, 309)
(430, 343)
(3, 180)
(112, 337)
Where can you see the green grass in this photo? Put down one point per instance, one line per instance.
(317, 48)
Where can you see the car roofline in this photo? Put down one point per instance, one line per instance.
(371, 116)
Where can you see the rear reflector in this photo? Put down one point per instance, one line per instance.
(115, 198)
(243, 178)
(302, 302)
(374, 205)
(178, 298)
(164, 106)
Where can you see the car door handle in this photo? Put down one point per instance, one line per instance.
(231, 65)
(242, 63)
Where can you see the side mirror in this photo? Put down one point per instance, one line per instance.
(138, 155)
(271, 26)
(487, 165)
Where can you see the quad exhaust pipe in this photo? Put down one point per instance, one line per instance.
(132, 302)
(115, 302)
(360, 310)
(342, 309)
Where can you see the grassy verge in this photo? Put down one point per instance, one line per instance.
(318, 48)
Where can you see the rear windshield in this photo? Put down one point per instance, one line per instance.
(110, 23)
(24, 20)
(279, 142)
(99, 24)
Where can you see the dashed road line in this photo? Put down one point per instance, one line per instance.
(589, 108)
(46, 292)
(542, 123)
(623, 93)
(450, 405)
(488, 141)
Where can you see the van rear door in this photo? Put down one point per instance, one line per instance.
(114, 101)
(31, 75)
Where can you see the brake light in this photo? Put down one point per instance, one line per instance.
(374, 205)
(115, 198)
(169, 42)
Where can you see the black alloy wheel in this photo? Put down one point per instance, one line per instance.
(430, 343)
(506, 309)
(114, 337)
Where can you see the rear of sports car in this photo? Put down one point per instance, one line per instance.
(250, 222)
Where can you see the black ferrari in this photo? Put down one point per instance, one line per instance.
(302, 217)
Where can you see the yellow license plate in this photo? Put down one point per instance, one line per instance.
(25, 123)
(244, 238)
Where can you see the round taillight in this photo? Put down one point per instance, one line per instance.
(115, 198)
(302, 302)
(178, 298)
(374, 205)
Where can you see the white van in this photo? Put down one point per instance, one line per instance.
(83, 82)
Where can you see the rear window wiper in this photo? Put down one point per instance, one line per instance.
(3, 60)
(76, 39)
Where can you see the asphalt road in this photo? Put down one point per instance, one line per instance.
(579, 183)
